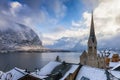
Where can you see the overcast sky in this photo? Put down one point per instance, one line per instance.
(53, 19)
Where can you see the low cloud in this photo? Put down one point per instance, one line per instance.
(106, 20)
(34, 14)
(91, 4)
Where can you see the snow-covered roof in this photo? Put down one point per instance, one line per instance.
(99, 53)
(115, 73)
(113, 64)
(108, 53)
(71, 70)
(1, 73)
(118, 65)
(46, 70)
(38, 76)
(91, 73)
(13, 74)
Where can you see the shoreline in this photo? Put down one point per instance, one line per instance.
(37, 50)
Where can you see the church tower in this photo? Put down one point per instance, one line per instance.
(92, 42)
(92, 58)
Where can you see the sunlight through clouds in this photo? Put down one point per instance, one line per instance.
(106, 22)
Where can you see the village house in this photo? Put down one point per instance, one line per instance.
(13, 74)
(55, 70)
(92, 73)
(111, 59)
(58, 71)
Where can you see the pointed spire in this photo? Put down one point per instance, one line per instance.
(92, 31)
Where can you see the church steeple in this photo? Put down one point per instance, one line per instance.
(92, 42)
(92, 31)
(91, 57)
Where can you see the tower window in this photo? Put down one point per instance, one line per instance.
(95, 47)
(90, 47)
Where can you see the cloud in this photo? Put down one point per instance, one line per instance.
(41, 14)
(60, 28)
(91, 4)
(47, 41)
(107, 24)
(36, 14)
(106, 21)
(59, 9)
(76, 24)
(34, 4)
(15, 7)
(33, 13)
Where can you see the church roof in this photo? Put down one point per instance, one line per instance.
(84, 53)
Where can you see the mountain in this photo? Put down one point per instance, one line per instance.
(17, 37)
(67, 43)
(79, 47)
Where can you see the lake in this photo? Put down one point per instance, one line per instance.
(31, 61)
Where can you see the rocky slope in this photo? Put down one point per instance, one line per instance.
(17, 37)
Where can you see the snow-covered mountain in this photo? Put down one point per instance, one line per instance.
(67, 43)
(79, 46)
(18, 36)
(75, 44)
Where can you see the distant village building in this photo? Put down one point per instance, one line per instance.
(111, 59)
(91, 57)
(115, 58)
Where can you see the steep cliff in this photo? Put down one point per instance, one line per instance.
(18, 36)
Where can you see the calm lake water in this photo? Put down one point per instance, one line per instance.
(31, 61)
